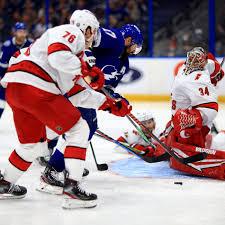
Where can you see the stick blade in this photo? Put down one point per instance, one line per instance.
(195, 158)
(102, 167)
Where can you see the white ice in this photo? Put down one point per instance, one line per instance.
(141, 196)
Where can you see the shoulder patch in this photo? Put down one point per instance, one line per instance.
(7, 43)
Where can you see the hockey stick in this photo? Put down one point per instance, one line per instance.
(170, 151)
(133, 151)
(102, 135)
(190, 159)
(141, 133)
(100, 167)
(223, 60)
(143, 136)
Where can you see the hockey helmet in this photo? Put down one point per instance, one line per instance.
(131, 30)
(19, 26)
(144, 116)
(196, 60)
(84, 19)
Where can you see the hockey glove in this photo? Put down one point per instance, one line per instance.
(97, 79)
(187, 122)
(218, 73)
(89, 58)
(116, 107)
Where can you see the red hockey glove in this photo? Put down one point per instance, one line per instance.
(187, 122)
(97, 78)
(149, 151)
(118, 108)
(211, 56)
(218, 73)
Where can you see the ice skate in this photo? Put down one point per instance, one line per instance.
(11, 191)
(51, 182)
(76, 197)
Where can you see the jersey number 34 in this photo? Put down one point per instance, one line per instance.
(204, 91)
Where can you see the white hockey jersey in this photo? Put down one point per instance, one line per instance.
(132, 137)
(52, 63)
(195, 90)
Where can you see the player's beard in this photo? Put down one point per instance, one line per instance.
(124, 54)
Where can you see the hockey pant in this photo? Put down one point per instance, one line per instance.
(57, 160)
(33, 110)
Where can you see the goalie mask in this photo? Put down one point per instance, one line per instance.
(85, 19)
(196, 60)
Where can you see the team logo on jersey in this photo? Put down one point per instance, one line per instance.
(131, 76)
(111, 73)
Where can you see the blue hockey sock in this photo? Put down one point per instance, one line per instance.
(57, 161)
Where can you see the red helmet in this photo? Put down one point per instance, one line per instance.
(196, 60)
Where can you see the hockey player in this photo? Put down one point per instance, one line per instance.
(111, 50)
(10, 46)
(35, 86)
(194, 107)
(133, 138)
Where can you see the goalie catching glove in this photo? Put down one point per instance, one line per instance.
(97, 79)
(187, 122)
(117, 107)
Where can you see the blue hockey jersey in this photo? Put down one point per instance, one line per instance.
(8, 49)
(108, 51)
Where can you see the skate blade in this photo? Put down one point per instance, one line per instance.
(70, 203)
(10, 196)
(50, 189)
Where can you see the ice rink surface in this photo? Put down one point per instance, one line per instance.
(131, 192)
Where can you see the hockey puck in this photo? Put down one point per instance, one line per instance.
(179, 183)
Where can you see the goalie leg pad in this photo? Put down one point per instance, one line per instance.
(212, 166)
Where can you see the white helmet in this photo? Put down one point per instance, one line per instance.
(84, 19)
(144, 116)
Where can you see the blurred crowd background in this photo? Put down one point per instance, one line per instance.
(175, 25)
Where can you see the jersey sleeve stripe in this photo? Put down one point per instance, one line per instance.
(56, 47)
(209, 105)
(75, 90)
(18, 162)
(31, 68)
(122, 139)
(216, 70)
(80, 54)
(4, 65)
(75, 152)
(16, 54)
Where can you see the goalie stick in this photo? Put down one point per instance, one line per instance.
(186, 161)
(134, 151)
(190, 159)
